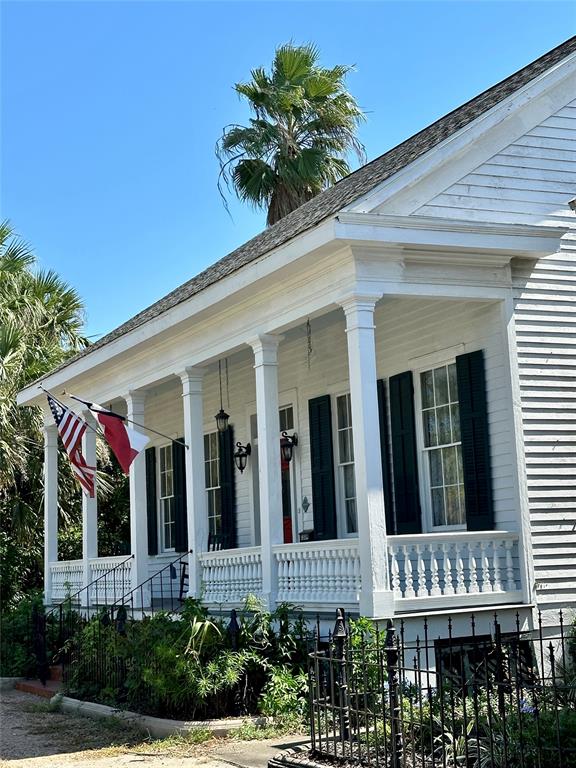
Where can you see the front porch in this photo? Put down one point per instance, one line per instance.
(427, 572)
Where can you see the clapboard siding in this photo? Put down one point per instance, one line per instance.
(546, 338)
(531, 180)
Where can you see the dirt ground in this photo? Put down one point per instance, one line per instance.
(33, 735)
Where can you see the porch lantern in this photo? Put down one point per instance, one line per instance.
(287, 445)
(222, 420)
(241, 455)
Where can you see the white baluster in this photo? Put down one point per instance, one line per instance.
(435, 590)
(422, 586)
(473, 587)
(510, 580)
(447, 568)
(395, 571)
(408, 579)
(496, 544)
(460, 582)
(486, 584)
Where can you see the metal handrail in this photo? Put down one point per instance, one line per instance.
(104, 575)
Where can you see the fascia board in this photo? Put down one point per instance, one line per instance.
(468, 138)
(208, 299)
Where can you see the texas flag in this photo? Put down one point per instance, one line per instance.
(124, 441)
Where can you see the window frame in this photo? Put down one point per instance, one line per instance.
(428, 363)
(207, 489)
(162, 548)
(338, 474)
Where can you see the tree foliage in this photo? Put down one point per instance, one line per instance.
(296, 144)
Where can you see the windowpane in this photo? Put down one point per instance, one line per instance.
(212, 478)
(351, 517)
(345, 445)
(427, 384)
(443, 421)
(342, 409)
(438, 506)
(430, 434)
(441, 385)
(453, 383)
(435, 468)
(455, 412)
(349, 485)
(453, 510)
(449, 462)
(286, 419)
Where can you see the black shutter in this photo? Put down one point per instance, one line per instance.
(322, 461)
(151, 501)
(180, 518)
(227, 488)
(404, 454)
(385, 456)
(475, 441)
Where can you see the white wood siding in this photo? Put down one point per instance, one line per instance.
(545, 315)
(406, 330)
(531, 180)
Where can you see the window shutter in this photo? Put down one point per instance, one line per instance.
(322, 460)
(227, 488)
(404, 454)
(385, 456)
(180, 518)
(151, 501)
(475, 441)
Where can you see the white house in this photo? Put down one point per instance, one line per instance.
(414, 327)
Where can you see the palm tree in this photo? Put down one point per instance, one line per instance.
(303, 127)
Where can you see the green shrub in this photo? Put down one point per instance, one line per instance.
(17, 657)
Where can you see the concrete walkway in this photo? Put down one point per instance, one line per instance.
(33, 736)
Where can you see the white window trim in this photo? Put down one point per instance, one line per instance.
(210, 429)
(433, 360)
(339, 481)
(160, 512)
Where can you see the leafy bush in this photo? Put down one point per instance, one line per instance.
(191, 666)
(17, 657)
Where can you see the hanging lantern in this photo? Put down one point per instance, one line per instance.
(287, 445)
(222, 420)
(241, 455)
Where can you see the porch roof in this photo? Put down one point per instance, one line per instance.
(342, 194)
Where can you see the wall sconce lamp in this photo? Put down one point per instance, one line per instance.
(287, 445)
(241, 455)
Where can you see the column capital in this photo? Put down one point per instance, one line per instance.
(50, 435)
(359, 301)
(265, 348)
(192, 373)
(135, 399)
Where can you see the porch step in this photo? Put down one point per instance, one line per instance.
(35, 686)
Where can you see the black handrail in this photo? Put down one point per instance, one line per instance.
(69, 600)
(128, 598)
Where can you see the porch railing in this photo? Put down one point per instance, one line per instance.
(318, 572)
(110, 577)
(231, 575)
(460, 567)
(67, 578)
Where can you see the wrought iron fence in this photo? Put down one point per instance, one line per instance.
(496, 699)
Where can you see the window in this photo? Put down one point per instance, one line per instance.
(346, 462)
(167, 510)
(212, 480)
(441, 429)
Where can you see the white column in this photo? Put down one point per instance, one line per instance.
(266, 370)
(89, 508)
(376, 598)
(138, 514)
(196, 505)
(50, 506)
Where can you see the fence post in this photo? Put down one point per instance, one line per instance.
(392, 658)
(340, 636)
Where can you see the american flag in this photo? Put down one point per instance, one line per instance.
(71, 429)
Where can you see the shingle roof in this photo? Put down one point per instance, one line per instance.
(343, 193)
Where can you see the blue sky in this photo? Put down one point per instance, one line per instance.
(110, 112)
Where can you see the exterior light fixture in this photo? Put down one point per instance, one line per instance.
(221, 417)
(241, 455)
(222, 420)
(287, 445)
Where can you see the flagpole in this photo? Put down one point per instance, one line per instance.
(125, 418)
(61, 404)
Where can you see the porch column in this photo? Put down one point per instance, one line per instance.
(89, 508)
(196, 507)
(376, 597)
(50, 506)
(266, 370)
(138, 517)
